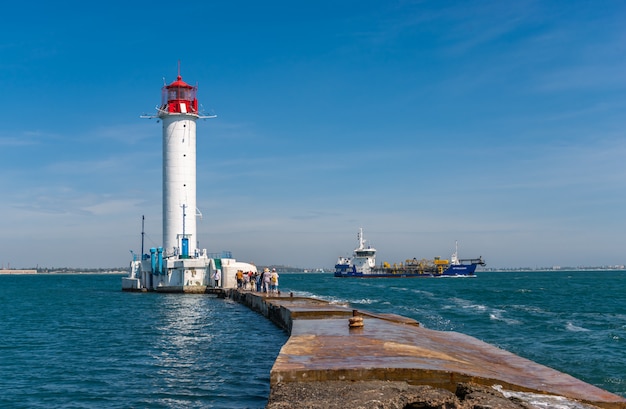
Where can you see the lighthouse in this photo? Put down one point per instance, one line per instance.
(178, 265)
(178, 112)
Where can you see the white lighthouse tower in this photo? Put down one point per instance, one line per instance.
(179, 112)
(179, 266)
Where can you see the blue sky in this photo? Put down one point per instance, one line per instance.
(500, 124)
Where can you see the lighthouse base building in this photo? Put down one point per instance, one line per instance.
(179, 266)
(192, 275)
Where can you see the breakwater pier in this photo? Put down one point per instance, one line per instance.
(392, 360)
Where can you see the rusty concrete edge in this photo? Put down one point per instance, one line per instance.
(438, 379)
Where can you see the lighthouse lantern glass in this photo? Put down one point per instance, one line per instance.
(178, 93)
(179, 97)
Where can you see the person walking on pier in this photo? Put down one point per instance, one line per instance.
(216, 277)
(239, 279)
(251, 281)
(246, 281)
(266, 280)
(274, 281)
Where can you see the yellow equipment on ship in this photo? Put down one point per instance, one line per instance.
(412, 262)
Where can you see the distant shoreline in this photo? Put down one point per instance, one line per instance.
(32, 272)
(5, 271)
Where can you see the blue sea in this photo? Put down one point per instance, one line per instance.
(78, 341)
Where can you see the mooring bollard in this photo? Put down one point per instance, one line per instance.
(356, 321)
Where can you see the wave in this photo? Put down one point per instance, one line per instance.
(424, 293)
(346, 301)
(466, 304)
(575, 328)
(541, 401)
(364, 301)
(496, 315)
(428, 318)
(480, 309)
(530, 309)
(307, 294)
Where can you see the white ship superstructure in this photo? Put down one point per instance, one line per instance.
(363, 258)
(179, 266)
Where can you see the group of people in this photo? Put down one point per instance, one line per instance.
(266, 281)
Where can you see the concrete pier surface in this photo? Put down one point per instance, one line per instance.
(323, 348)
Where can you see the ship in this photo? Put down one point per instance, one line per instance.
(363, 264)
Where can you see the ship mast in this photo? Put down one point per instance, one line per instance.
(360, 238)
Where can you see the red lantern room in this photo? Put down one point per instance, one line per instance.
(179, 98)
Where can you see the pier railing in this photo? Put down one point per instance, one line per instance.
(222, 254)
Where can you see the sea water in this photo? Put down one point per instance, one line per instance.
(78, 341)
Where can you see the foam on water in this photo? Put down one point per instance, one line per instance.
(540, 401)
(498, 316)
(571, 327)
(467, 304)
